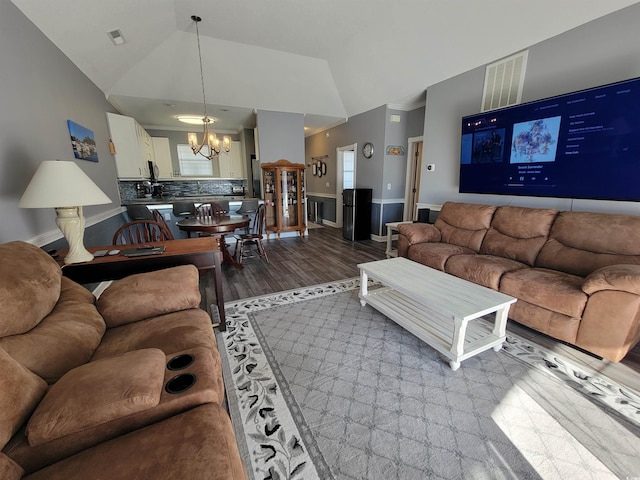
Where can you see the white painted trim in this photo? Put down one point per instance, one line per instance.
(53, 235)
(406, 107)
(329, 223)
(411, 141)
(323, 195)
(386, 201)
(340, 175)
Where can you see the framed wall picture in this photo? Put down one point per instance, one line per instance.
(83, 142)
(314, 169)
(323, 167)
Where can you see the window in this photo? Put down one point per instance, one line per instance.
(193, 165)
(349, 169)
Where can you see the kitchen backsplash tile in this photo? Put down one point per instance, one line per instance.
(129, 190)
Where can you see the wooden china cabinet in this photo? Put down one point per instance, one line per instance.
(284, 197)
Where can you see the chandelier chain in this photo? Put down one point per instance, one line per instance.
(209, 139)
(197, 19)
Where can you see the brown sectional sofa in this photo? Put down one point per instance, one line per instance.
(128, 386)
(576, 275)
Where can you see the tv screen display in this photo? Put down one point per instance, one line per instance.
(580, 145)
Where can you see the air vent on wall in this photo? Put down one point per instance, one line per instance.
(503, 81)
(116, 37)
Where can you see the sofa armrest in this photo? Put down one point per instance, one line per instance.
(625, 278)
(419, 232)
(150, 294)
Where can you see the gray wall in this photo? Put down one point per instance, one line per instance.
(600, 52)
(280, 136)
(40, 89)
(376, 172)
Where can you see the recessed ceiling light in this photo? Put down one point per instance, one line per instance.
(193, 119)
(169, 104)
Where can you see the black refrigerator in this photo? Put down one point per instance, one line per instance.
(356, 213)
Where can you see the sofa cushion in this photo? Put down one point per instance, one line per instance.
(9, 470)
(464, 224)
(150, 294)
(29, 286)
(99, 392)
(581, 242)
(485, 270)
(198, 444)
(549, 289)
(64, 339)
(20, 392)
(551, 323)
(435, 255)
(518, 233)
(208, 388)
(173, 332)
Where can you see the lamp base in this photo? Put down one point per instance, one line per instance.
(70, 221)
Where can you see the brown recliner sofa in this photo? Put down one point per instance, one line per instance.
(576, 275)
(128, 386)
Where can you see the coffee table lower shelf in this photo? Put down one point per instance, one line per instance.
(454, 338)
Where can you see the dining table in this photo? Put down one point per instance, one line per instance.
(217, 226)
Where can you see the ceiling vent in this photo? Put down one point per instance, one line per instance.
(503, 81)
(116, 37)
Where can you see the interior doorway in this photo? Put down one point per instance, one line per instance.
(414, 170)
(345, 175)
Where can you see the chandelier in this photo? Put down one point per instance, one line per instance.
(213, 143)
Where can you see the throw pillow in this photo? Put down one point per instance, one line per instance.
(98, 392)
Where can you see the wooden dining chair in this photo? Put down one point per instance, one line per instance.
(158, 217)
(141, 231)
(209, 210)
(253, 238)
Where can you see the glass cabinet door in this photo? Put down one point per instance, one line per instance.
(289, 200)
(269, 198)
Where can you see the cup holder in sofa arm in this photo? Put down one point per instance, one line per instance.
(180, 383)
(180, 361)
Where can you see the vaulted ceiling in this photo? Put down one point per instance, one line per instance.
(326, 59)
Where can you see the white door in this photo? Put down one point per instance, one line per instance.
(345, 175)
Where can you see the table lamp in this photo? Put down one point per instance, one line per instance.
(64, 186)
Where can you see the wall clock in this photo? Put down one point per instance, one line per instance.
(367, 150)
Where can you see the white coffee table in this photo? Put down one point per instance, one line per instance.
(437, 307)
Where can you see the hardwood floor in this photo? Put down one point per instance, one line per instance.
(324, 256)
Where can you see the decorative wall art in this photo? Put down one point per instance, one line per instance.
(395, 150)
(83, 142)
(318, 167)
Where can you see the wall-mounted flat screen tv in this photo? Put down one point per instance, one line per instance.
(580, 145)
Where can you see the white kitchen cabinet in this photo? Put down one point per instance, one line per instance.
(232, 163)
(133, 147)
(162, 154)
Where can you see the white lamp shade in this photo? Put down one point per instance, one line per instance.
(61, 184)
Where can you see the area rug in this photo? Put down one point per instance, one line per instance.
(321, 387)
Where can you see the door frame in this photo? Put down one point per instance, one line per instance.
(413, 173)
(340, 177)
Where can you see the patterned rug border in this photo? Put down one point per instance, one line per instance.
(298, 463)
